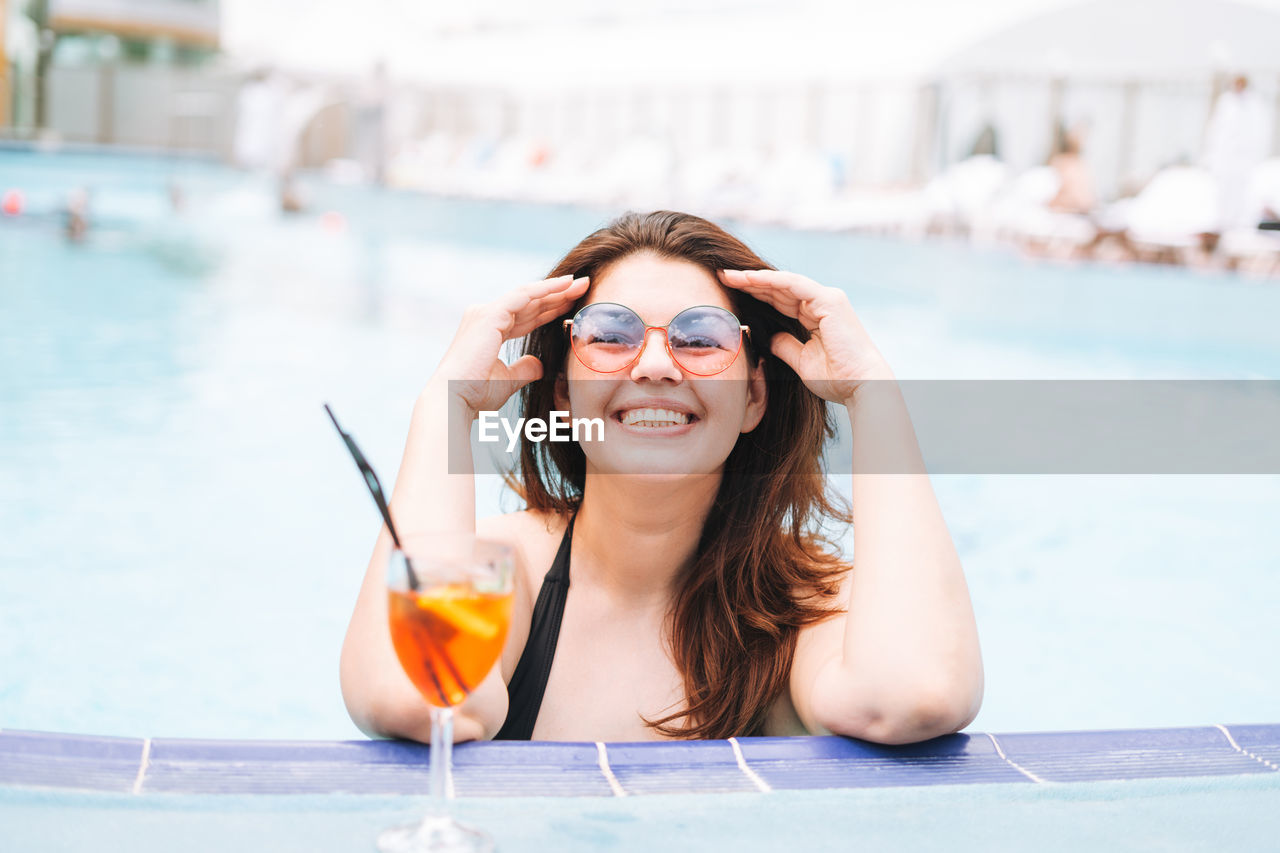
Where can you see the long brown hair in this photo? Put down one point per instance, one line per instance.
(764, 566)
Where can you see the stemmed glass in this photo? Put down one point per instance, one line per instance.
(448, 606)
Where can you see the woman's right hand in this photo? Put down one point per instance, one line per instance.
(472, 367)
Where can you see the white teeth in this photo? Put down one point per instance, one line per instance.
(654, 418)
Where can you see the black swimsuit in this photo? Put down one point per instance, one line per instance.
(529, 682)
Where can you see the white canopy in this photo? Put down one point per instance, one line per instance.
(1131, 38)
(514, 44)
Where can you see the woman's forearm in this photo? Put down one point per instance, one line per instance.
(910, 638)
(435, 490)
(428, 493)
(435, 487)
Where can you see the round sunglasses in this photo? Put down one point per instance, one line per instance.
(607, 337)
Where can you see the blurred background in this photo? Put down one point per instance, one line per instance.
(215, 216)
(1142, 129)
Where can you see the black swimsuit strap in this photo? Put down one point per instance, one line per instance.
(529, 681)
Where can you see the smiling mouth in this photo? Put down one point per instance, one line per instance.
(654, 418)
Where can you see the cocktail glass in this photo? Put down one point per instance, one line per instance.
(449, 607)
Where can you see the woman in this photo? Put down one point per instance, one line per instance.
(704, 600)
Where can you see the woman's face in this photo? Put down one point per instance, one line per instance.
(717, 408)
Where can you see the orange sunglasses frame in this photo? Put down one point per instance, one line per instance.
(743, 330)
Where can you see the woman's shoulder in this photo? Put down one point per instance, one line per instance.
(534, 535)
(523, 527)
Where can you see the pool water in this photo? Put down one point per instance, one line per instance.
(184, 535)
(1224, 813)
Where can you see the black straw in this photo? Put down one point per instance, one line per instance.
(375, 489)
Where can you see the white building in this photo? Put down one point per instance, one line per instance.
(883, 110)
(122, 72)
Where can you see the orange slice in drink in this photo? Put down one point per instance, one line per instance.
(453, 608)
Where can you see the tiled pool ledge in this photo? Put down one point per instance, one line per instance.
(495, 769)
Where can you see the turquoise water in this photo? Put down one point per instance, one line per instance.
(1216, 814)
(184, 535)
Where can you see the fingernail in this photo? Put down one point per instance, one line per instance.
(582, 279)
(565, 277)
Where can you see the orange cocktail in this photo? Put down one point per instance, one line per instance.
(448, 637)
(449, 601)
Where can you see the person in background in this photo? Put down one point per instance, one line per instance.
(370, 125)
(987, 143)
(1075, 182)
(259, 106)
(1236, 142)
(77, 215)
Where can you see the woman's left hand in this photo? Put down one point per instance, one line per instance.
(839, 355)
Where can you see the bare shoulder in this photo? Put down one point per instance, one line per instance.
(534, 535)
(523, 523)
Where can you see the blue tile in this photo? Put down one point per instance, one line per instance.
(363, 751)
(71, 746)
(1256, 736)
(685, 767)
(834, 762)
(1261, 742)
(284, 778)
(521, 753)
(83, 762)
(524, 781)
(1200, 737)
(829, 773)
(1136, 754)
(658, 753)
(373, 767)
(816, 748)
(506, 768)
(523, 768)
(99, 775)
